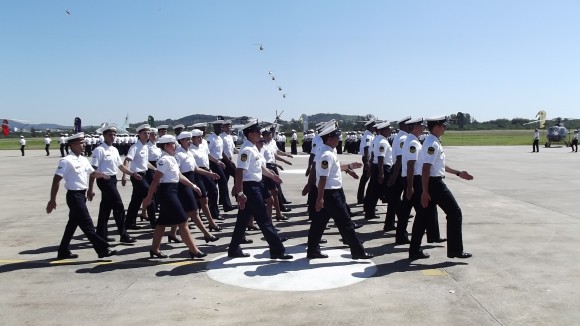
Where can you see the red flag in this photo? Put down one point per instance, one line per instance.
(5, 127)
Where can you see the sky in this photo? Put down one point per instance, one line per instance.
(169, 59)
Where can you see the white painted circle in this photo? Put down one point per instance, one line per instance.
(298, 274)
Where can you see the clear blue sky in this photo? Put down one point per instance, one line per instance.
(169, 59)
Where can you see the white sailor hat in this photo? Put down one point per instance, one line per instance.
(310, 130)
(179, 126)
(328, 129)
(416, 121)
(143, 127)
(403, 120)
(227, 122)
(576, 131)
(196, 133)
(162, 127)
(293, 130)
(108, 128)
(184, 135)
(252, 125)
(218, 122)
(166, 139)
(438, 120)
(80, 135)
(154, 130)
(382, 125)
(66, 135)
(199, 125)
(370, 122)
(265, 131)
(326, 124)
(21, 136)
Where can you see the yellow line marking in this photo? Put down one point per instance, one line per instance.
(434, 272)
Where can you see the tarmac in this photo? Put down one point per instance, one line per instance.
(520, 221)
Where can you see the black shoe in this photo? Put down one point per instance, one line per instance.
(125, 238)
(440, 240)
(68, 255)
(199, 254)
(230, 208)
(217, 228)
(212, 239)
(172, 238)
(460, 255)
(371, 217)
(323, 241)
(107, 253)
(156, 254)
(316, 255)
(109, 239)
(281, 218)
(357, 226)
(219, 218)
(364, 255)
(285, 209)
(281, 256)
(246, 241)
(389, 228)
(402, 242)
(253, 228)
(239, 254)
(418, 255)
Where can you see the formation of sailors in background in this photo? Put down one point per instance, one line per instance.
(174, 177)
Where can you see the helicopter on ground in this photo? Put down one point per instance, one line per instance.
(554, 134)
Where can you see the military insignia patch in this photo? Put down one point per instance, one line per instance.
(324, 165)
(412, 149)
(431, 150)
(244, 157)
(401, 145)
(382, 149)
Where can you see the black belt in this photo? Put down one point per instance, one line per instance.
(78, 191)
(251, 182)
(203, 168)
(437, 178)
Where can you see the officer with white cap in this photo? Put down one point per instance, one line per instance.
(365, 151)
(208, 187)
(536, 141)
(382, 160)
(249, 191)
(330, 198)
(165, 181)
(75, 169)
(47, 142)
(61, 142)
(412, 163)
(22, 144)
(575, 141)
(293, 143)
(216, 154)
(435, 193)
(137, 162)
(397, 206)
(106, 159)
(154, 153)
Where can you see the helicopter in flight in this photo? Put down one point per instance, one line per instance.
(554, 134)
